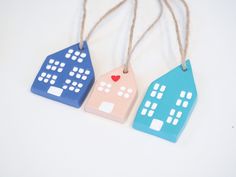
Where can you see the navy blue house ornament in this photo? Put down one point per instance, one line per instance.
(67, 76)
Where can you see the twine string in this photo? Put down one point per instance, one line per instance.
(131, 48)
(110, 11)
(103, 17)
(81, 44)
(131, 34)
(182, 49)
(150, 27)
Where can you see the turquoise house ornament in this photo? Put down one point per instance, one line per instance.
(167, 104)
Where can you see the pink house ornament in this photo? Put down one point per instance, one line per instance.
(113, 95)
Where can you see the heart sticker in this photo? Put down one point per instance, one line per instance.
(115, 78)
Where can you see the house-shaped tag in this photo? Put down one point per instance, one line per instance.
(113, 95)
(66, 76)
(167, 105)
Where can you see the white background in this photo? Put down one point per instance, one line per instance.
(44, 138)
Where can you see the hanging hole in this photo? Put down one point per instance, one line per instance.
(81, 48)
(184, 69)
(125, 71)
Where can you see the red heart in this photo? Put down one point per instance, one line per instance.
(115, 78)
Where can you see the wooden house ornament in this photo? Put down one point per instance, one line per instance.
(113, 95)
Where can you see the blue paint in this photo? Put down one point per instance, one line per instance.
(60, 78)
(167, 105)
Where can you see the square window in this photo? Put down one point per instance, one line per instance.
(178, 102)
(54, 77)
(107, 90)
(60, 70)
(81, 70)
(169, 119)
(80, 60)
(62, 64)
(83, 55)
(156, 125)
(189, 95)
(147, 104)
(185, 104)
(71, 73)
(120, 93)
(100, 89)
(74, 58)
(52, 82)
(75, 69)
(159, 95)
(54, 68)
(154, 106)
(55, 91)
(71, 88)
(129, 90)
(40, 78)
(68, 55)
(80, 85)
(68, 81)
(126, 95)
(156, 86)
(74, 83)
(70, 51)
(123, 88)
(163, 87)
(48, 67)
(179, 114)
(172, 112)
(78, 76)
(43, 74)
(77, 90)
(182, 94)
(175, 122)
(153, 94)
(144, 112)
(84, 77)
(48, 76)
(77, 53)
(51, 61)
(87, 72)
(102, 83)
(106, 107)
(150, 113)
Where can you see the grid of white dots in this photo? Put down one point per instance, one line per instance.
(103, 86)
(149, 109)
(174, 117)
(75, 55)
(183, 99)
(55, 65)
(158, 91)
(125, 92)
(72, 85)
(79, 73)
(47, 78)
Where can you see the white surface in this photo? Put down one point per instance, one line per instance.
(40, 137)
